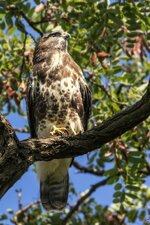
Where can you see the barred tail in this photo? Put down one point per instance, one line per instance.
(54, 195)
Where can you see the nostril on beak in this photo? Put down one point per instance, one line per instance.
(67, 36)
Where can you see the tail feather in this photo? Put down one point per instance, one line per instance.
(54, 195)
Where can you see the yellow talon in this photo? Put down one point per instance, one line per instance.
(56, 131)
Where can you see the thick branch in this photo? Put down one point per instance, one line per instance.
(11, 164)
(17, 156)
(47, 149)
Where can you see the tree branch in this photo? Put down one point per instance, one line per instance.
(84, 169)
(102, 87)
(18, 218)
(13, 8)
(83, 198)
(23, 57)
(20, 130)
(17, 156)
(30, 22)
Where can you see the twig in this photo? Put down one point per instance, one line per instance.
(102, 87)
(26, 32)
(13, 9)
(19, 193)
(75, 208)
(23, 59)
(19, 215)
(84, 169)
(21, 130)
(148, 167)
(41, 21)
(30, 22)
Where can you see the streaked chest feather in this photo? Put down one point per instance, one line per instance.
(55, 105)
(57, 96)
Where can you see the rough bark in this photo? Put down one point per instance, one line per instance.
(16, 156)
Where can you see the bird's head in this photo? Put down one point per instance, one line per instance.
(55, 40)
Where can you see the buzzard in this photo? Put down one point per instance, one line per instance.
(58, 102)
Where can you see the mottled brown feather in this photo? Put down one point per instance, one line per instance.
(57, 95)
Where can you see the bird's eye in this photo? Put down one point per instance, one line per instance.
(54, 34)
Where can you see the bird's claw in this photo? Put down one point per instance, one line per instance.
(59, 131)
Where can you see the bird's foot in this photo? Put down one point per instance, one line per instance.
(59, 131)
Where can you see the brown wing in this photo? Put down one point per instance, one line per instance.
(30, 110)
(87, 103)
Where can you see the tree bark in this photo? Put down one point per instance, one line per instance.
(16, 156)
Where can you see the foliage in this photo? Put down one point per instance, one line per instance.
(110, 41)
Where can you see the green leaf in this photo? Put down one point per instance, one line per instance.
(133, 188)
(37, 1)
(20, 111)
(133, 196)
(142, 215)
(113, 180)
(13, 108)
(116, 200)
(9, 20)
(117, 194)
(111, 172)
(91, 158)
(118, 186)
(10, 211)
(114, 70)
(132, 215)
(3, 217)
(2, 25)
(122, 199)
(11, 30)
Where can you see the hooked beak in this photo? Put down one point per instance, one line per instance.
(66, 36)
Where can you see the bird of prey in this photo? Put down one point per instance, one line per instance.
(58, 102)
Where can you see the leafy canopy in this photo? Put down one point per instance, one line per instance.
(110, 41)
